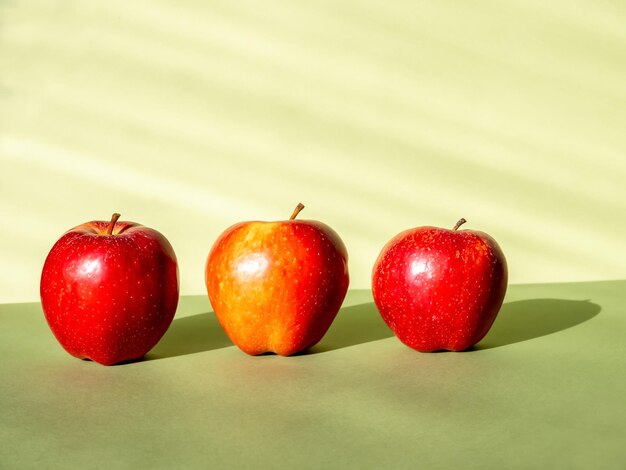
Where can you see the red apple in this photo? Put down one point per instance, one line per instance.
(440, 289)
(109, 290)
(277, 286)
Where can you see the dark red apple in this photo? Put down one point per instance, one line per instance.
(277, 286)
(109, 290)
(440, 289)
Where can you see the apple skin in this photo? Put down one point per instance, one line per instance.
(277, 286)
(440, 289)
(110, 297)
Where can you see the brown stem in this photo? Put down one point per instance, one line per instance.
(459, 223)
(114, 218)
(296, 211)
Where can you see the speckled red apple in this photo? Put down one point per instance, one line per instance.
(440, 289)
(277, 286)
(109, 290)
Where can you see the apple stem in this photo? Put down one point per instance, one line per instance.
(114, 218)
(459, 223)
(296, 211)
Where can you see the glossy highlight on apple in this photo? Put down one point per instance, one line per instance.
(277, 286)
(110, 289)
(440, 289)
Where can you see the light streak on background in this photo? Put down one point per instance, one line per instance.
(378, 116)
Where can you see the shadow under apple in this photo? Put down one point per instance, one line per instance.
(527, 319)
(517, 321)
(202, 332)
(354, 325)
(188, 335)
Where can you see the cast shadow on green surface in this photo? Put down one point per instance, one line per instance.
(517, 321)
(527, 319)
(202, 332)
(189, 335)
(354, 325)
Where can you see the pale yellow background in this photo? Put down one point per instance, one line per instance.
(377, 115)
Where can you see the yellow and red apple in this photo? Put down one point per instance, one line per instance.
(277, 286)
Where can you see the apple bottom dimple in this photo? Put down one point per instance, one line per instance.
(282, 321)
(440, 323)
(440, 337)
(112, 313)
(109, 335)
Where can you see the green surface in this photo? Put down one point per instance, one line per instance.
(545, 389)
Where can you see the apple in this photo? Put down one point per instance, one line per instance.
(109, 290)
(277, 286)
(440, 289)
